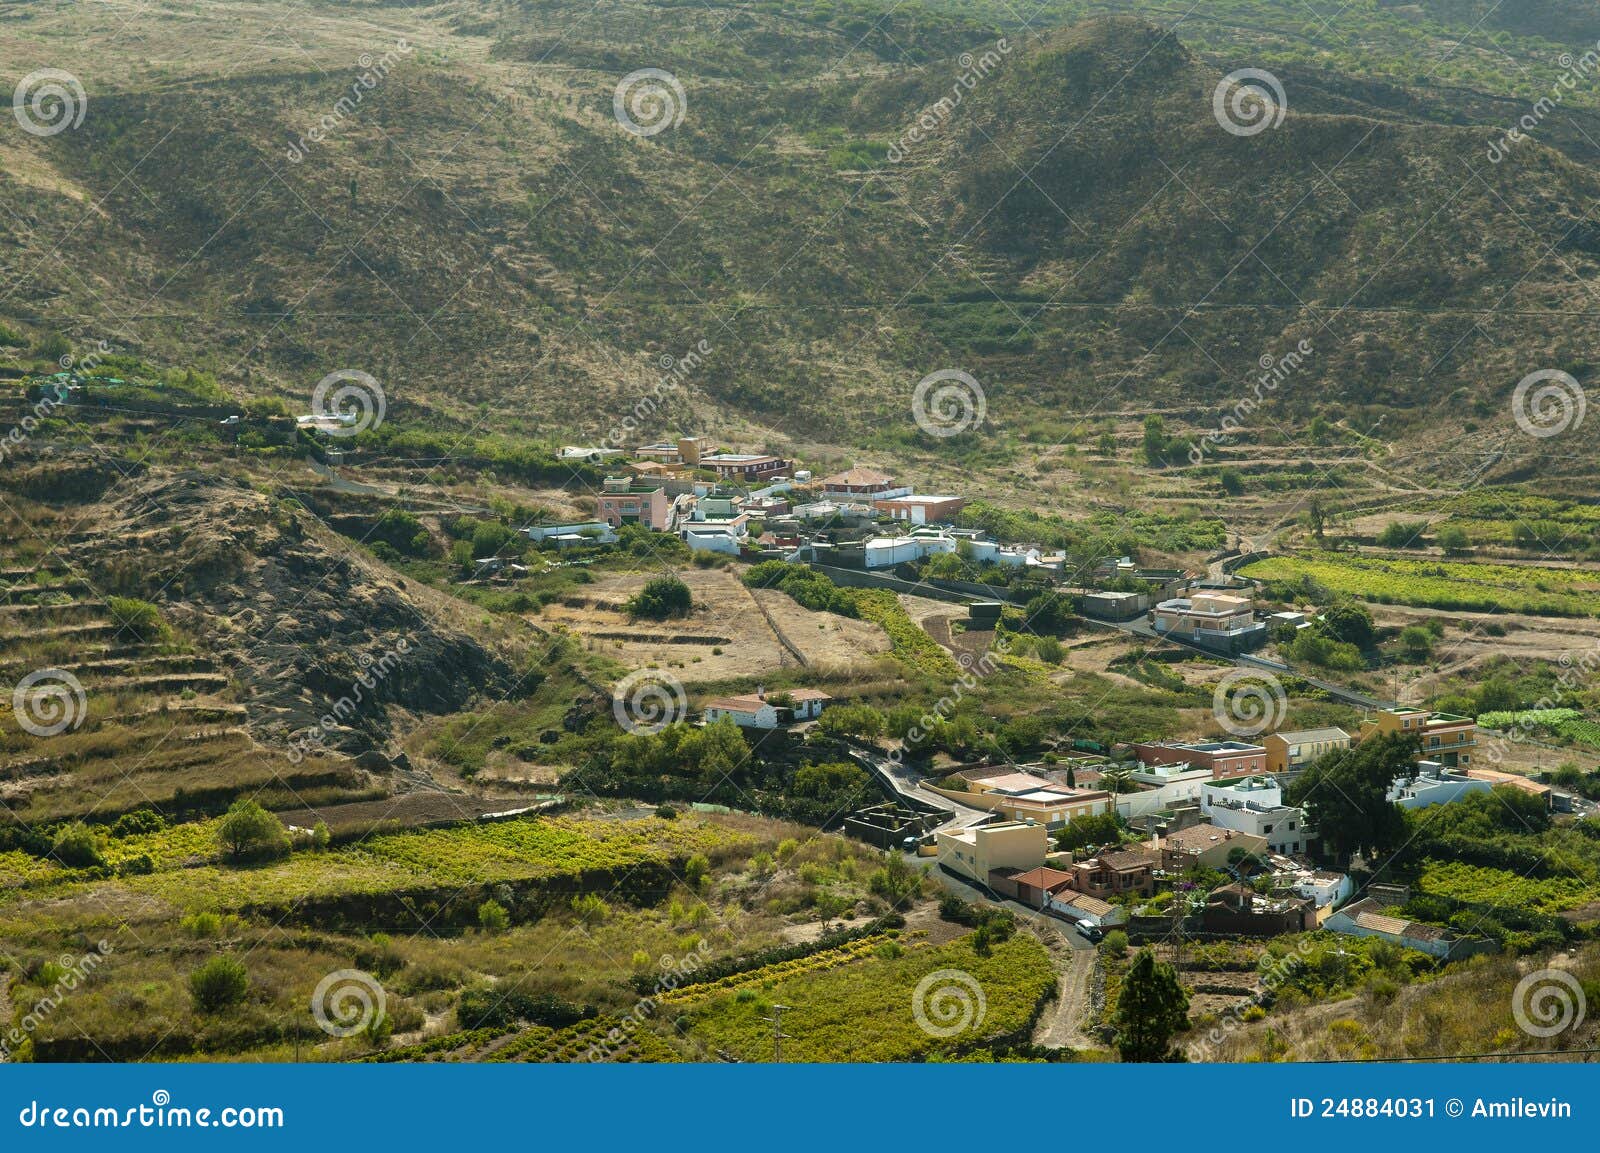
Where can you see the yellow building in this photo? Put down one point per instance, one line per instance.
(1019, 796)
(1444, 737)
(1290, 752)
(1009, 845)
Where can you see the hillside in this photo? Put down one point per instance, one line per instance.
(480, 233)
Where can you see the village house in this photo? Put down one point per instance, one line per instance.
(1368, 918)
(915, 509)
(1116, 871)
(1494, 778)
(1321, 887)
(1022, 796)
(1292, 751)
(746, 467)
(1160, 788)
(975, 852)
(763, 710)
(1238, 910)
(574, 532)
(1206, 846)
(1430, 783)
(586, 454)
(1222, 758)
(626, 501)
(1443, 737)
(1212, 620)
(1255, 805)
(860, 485)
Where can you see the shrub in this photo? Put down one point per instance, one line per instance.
(77, 847)
(219, 983)
(1116, 943)
(137, 822)
(250, 833)
(666, 812)
(137, 618)
(492, 916)
(662, 597)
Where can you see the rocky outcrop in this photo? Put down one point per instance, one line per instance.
(318, 639)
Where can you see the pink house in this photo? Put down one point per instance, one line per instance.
(626, 501)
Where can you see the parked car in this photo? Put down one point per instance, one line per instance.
(1090, 931)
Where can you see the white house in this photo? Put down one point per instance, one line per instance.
(1255, 805)
(1430, 783)
(1167, 785)
(759, 711)
(711, 538)
(1320, 886)
(592, 531)
(587, 454)
(884, 551)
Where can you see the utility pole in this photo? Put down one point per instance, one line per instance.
(778, 1035)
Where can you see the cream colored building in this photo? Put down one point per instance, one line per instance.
(971, 853)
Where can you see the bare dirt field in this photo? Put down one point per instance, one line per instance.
(733, 632)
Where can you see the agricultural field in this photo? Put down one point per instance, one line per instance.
(867, 1010)
(1479, 885)
(1457, 585)
(728, 636)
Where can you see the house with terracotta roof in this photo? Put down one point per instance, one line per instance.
(1206, 846)
(1116, 871)
(1020, 796)
(862, 485)
(763, 710)
(1368, 918)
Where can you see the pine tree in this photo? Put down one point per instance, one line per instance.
(1151, 1008)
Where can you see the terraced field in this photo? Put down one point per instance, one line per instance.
(1455, 585)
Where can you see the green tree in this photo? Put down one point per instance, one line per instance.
(1151, 1008)
(1230, 480)
(662, 597)
(1345, 796)
(1416, 642)
(77, 847)
(250, 833)
(492, 916)
(1453, 539)
(1348, 622)
(220, 982)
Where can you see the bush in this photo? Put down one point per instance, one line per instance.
(663, 597)
(1116, 943)
(250, 833)
(492, 916)
(219, 983)
(137, 822)
(137, 618)
(1400, 534)
(666, 812)
(77, 847)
